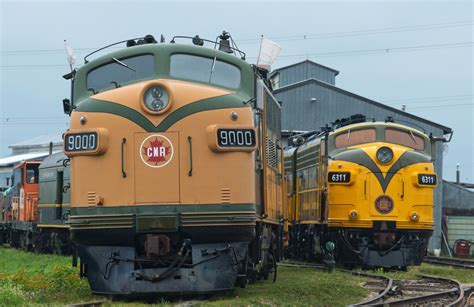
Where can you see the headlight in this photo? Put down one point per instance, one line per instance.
(156, 99)
(384, 155)
(414, 216)
(353, 214)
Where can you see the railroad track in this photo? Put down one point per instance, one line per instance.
(429, 290)
(458, 263)
(302, 265)
(379, 298)
(371, 301)
(97, 303)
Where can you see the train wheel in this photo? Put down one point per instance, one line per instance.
(251, 271)
(267, 263)
(242, 281)
(22, 240)
(55, 243)
(38, 242)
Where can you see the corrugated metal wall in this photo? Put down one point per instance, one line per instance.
(306, 70)
(299, 113)
(456, 197)
(460, 227)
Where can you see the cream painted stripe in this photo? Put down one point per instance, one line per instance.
(53, 205)
(52, 226)
(48, 205)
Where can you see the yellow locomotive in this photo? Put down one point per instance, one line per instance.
(366, 187)
(176, 168)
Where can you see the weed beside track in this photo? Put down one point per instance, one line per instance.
(29, 279)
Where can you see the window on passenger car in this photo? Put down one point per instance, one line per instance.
(355, 137)
(404, 138)
(202, 69)
(138, 67)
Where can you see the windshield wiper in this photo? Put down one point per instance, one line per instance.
(123, 64)
(212, 69)
(92, 90)
(412, 136)
(115, 83)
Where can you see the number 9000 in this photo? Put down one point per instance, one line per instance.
(81, 142)
(236, 137)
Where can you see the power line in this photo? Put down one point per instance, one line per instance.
(60, 120)
(382, 50)
(320, 54)
(439, 109)
(33, 123)
(429, 100)
(442, 106)
(286, 38)
(427, 108)
(35, 66)
(27, 118)
(364, 32)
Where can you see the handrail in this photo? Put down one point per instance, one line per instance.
(124, 141)
(190, 173)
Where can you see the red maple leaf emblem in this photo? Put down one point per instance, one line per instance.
(156, 152)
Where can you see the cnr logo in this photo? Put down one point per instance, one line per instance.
(156, 151)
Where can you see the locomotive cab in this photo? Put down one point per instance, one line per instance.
(25, 183)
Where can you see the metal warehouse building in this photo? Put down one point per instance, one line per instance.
(310, 99)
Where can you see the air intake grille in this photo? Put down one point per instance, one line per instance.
(272, 157)
(225, 195)
(91, 198)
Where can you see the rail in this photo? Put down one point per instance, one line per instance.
(440, 291)
(436, 297)
(458, 263)
(378, 298)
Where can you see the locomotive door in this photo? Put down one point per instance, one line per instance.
(156, 167)
(272, 154)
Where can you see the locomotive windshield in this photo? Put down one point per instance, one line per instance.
(404, 138)
(202, 69)
(355, 137)
(120, 71)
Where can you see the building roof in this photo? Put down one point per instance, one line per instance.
(39, 140)
(445, 129)
(464, 185)
(23, 157)
(336, 72)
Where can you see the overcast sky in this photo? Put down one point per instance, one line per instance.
(417, 53)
